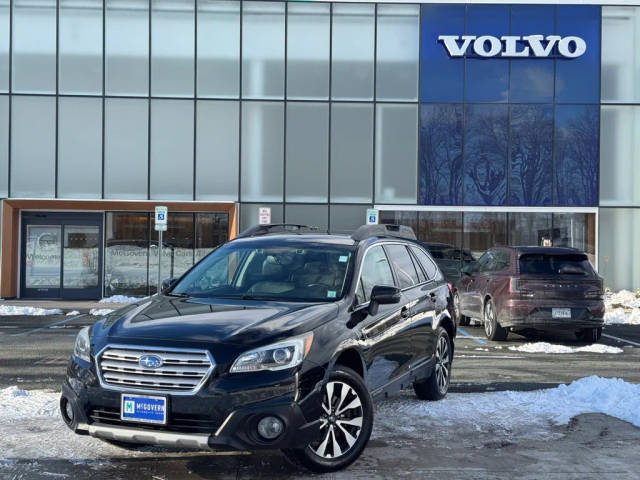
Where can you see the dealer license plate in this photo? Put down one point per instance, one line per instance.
(143, 408)
(561, 312)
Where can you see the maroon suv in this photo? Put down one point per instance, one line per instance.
(529, 289)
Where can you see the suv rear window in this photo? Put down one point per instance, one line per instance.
(545, 264)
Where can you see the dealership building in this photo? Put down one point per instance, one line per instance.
(477, 124)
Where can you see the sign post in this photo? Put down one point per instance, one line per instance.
(160, 226)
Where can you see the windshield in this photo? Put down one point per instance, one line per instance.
(543, 264)
(304, 273)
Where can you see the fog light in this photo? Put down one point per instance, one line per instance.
(270, 428)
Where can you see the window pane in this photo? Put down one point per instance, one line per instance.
(263, 50)
(33, 146)
(400, 217)
(42, 269)
(4, 45)
(582, 21)
(126, 253)
(218, 48)
(80, 147)
(529, 229)
(217, 156)
(483, 231)
(531, 149)
(441, 77)
(532, 79)
(126, 148)
(249, 214)
(620, 155)
(620, 61)
(34, 46)
(313, 215)
(576, 230)
(172, 149)
(486, 80)
(402, 265)
(485, 157)
(4, 146)
(397, 52)
(307, 152)
(576, 154)
(177, 249)
(212, 229)
(347, 218)
(375, 271)
(80, 44)
(440, 169)
(619, 256)
(127, 47)
(172, 47)
(396, 153)
(308, 51)
(351, 152)
(440, 227)
(80, 268)
(262, 151)
(353, 51)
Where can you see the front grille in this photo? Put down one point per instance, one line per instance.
(178, 423)
(182, 370)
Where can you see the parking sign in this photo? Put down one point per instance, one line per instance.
(161, 219)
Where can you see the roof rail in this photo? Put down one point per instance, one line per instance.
(274, 228)
(383, 230)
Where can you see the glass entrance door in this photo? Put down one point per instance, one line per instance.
(61, 255)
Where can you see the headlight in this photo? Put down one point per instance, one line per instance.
(82, 348)
(278, 356)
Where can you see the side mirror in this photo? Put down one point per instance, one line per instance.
(383, 294)
(168, 283)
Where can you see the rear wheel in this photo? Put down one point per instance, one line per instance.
(437, 385)
(492, 328)
(589, 335)
(463, 320)
(345, 428)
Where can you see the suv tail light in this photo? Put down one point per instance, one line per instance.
(516, 287)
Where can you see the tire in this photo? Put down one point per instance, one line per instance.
(319, 456)
(437, 385)
(492, 328)
(463, 320)
(589, 335)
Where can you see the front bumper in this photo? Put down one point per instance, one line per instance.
(206, 420)
(525, 315)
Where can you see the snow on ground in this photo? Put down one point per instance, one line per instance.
(622, 307)
(26, 417)
(120, 299)
(19, 310)
(73, 312)
(544, 347)
(98, 312)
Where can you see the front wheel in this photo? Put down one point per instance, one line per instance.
(345, 425)
(437, 385)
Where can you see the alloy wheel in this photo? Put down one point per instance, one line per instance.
(341, 420)
(488, 319)
(456, 304)
(443, 361)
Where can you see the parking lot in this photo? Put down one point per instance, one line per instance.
(464, 436)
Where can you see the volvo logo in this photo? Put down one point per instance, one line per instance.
(513, 46)
(150, 361)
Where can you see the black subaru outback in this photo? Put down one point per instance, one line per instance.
(279, 339)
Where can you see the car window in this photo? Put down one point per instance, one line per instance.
(403, 265)
(485, 261)
(428, 265)
(375, 271)
(544, 264)
(493, 261)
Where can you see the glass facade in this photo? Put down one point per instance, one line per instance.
(321, 110)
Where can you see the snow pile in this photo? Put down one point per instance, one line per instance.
(73, 312)
(120, 299)
(622, 307)
(525, 414)
(16, 310)
(544, 347)
(18, 404)
(99, 312)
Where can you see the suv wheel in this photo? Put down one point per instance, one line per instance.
(346, 424)
(463, 320)
(590, 335)
(492, 328)
(437, 385)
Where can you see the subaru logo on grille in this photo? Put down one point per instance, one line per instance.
(150, 361)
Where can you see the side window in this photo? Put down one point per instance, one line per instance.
(375, 271)
(429, 266)
(403, 265)
(485, 261)
(501, 260)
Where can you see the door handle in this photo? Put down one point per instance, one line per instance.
(404, 312)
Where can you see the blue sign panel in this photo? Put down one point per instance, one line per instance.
(141, 408)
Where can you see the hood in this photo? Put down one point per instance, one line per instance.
(203, 323)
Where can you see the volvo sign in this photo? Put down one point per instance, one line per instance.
(513, 46)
